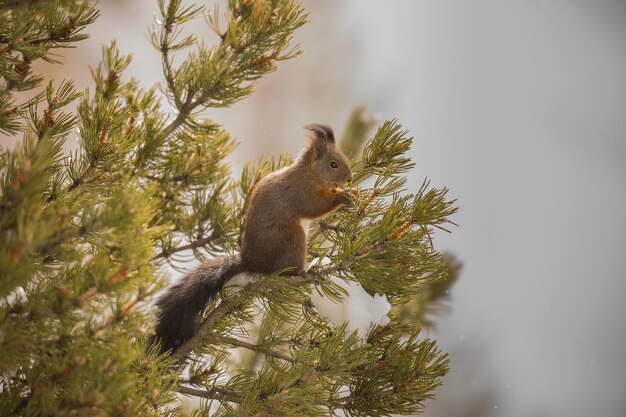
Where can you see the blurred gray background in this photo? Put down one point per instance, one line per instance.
(519, 107)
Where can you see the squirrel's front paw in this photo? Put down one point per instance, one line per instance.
(348, 196)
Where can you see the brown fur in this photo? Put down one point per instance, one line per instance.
(274, 239)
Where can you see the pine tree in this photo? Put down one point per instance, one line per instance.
(85, 238)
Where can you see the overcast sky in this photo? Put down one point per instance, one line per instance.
(520, 108)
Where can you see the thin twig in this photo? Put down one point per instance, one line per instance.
(392, 236)
(193, 245)
(321, 227)
(256, 348)
(177, 178)
(176, 123)
(78, 181)
(216, 393)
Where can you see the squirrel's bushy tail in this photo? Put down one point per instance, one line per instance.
(182, 304)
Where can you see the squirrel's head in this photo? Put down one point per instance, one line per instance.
(326, 159)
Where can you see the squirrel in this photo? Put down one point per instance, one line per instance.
(275, 233)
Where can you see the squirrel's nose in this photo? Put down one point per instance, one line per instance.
(350, 179)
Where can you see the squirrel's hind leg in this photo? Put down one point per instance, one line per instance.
(292, 251)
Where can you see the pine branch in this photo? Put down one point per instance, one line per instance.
(230, 305)
(254, 289)
(241, 56)
(178, 178)
(182, 116)
(222, 394)
(215, 393)
(381, 243)
(250, 346)
(198, 243)
(322, 227)
(78, 181)
(78, 235)
(12, 4)
(355, 134)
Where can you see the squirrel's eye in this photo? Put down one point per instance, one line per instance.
(334, 164)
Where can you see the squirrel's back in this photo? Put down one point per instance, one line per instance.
(274, 239)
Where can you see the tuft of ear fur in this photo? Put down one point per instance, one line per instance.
(321, 136)
(321, 131)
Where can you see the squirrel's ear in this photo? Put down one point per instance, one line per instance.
(321, 131)
(320, 135)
